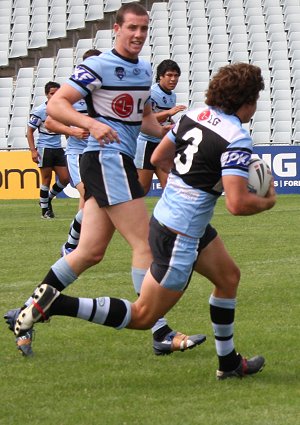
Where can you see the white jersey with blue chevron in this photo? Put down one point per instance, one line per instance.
(46, 138)
(74, 145)
(161, 100)
(209, 145)
(117, 90)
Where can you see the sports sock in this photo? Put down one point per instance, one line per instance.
(55, 190)
(74, 231)
(161, 326)
(44, 198)
(60, 275)
(112, 312)
(222, 316)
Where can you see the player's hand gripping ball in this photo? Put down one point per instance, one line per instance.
(260, 176)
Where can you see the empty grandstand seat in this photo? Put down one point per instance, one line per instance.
(4, 111)
(6, 82)
(15, 135)
(3, 139)
(37, 39)
(103, 40)
(20, 111)
(4, 121)
(4, 49)
(111, 5)
(76, 17)
(94, 10)
(22, 101)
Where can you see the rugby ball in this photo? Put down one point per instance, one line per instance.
(260, 177)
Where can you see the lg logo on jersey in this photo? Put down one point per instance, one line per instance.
(206, 115)
(123, 105)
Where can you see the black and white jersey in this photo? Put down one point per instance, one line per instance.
(209, 145)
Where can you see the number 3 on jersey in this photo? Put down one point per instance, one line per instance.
(193, 138)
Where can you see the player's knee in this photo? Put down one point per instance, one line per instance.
(233, 278)
(90, 257)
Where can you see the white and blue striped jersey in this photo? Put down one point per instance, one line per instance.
(209, 145)
(46, 138)
(117, 90)
(74, 145)
(161, 100)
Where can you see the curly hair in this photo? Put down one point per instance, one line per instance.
(234, 85)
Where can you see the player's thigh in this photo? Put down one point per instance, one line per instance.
(131, 219)
(216, 264)
(154, 302)
(96, 230)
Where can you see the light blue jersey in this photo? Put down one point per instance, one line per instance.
(118, 90)
(161, 100)
(46, 138)
(74, 145)
(209, 145)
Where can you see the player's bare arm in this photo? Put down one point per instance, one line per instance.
(59, 128)
(239, 201)
(60, 108)
(164, 115)
(33, 150)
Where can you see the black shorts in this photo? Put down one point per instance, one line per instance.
(143, 155)
(110, 177)
(174, 255)
(51, 157)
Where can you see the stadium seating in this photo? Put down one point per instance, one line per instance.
(201, 35)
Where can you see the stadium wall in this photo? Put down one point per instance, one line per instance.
(20, 178)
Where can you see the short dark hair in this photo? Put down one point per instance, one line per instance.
(51, 85)
(132, 7)
(91, 52)
(233, 86)
(165, 66)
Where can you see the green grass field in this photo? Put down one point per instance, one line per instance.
(84, 374)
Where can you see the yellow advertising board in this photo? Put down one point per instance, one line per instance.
(19, 176)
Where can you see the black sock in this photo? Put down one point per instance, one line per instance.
(52, 280)
(161, 333)
(64, 306)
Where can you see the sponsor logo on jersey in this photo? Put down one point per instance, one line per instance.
(136, 71)
(165, 100)
(120, 72)
(122, 105)
(236, 158)
(204, 115)
(82, 75)
(34, 120)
